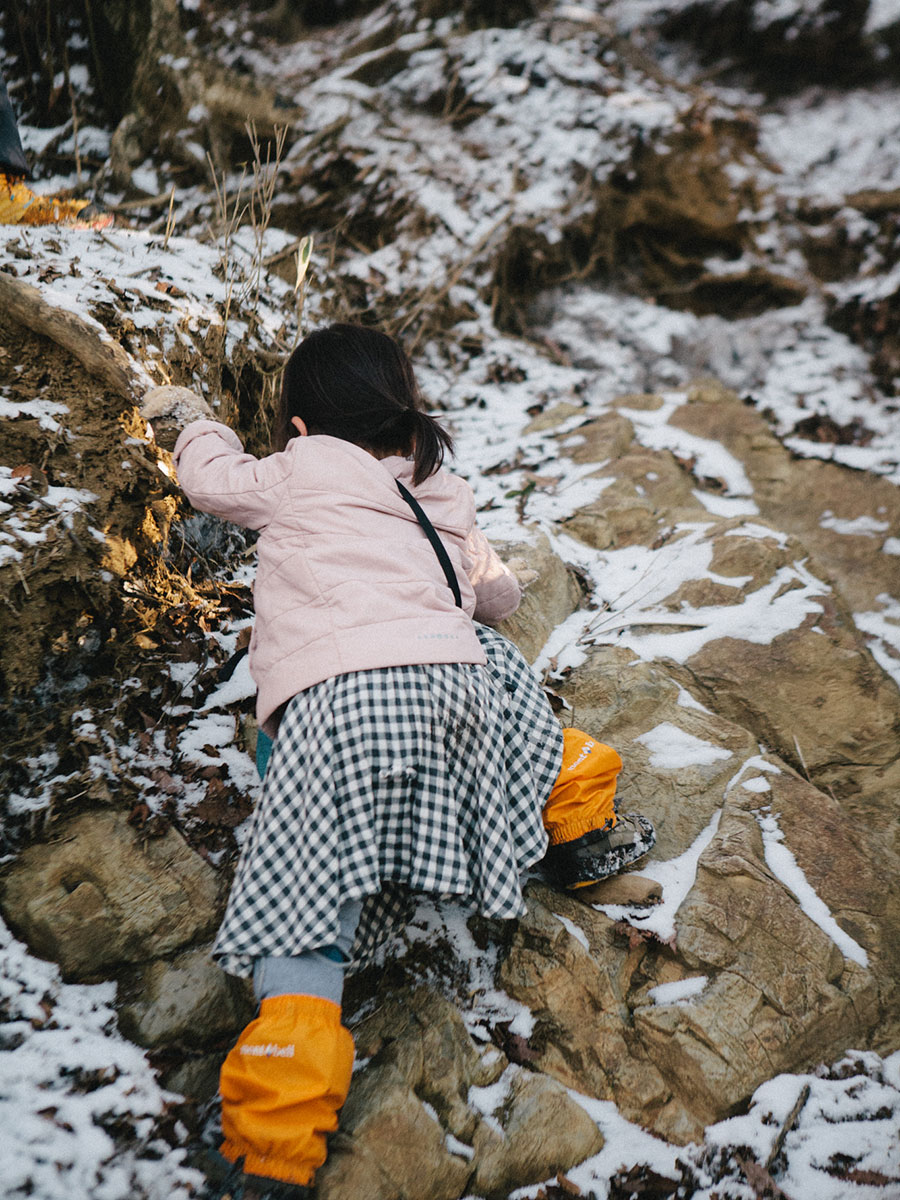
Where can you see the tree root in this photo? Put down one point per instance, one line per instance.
(89, 342)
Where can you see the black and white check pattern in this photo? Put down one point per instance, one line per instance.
(391, 782)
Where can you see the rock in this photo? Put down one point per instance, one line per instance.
(195, 1077)
(543, 1132)
(639, 708)
(834, 713)
(778, 992)
(635, 891)
(100, 895)
(818, 502)
(412, 1125)
(782, 996)
(185, 999)
(550, 593)
(390, 1146)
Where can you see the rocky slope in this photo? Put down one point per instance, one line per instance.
(658, 309)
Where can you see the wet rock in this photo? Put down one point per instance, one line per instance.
(100, 895)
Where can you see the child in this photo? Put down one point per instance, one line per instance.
(415, 750)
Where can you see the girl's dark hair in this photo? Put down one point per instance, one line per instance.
(355, 383)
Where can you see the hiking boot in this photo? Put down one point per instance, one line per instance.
(258, 1188)
(236, 1185)
(600, 853)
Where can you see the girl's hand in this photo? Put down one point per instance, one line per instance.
(169, 409)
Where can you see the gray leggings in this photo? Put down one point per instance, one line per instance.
(317, 972)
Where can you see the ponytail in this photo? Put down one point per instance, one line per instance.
(430, 442)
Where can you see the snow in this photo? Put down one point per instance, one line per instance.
(674, 749)
(575, 930)
(850, 1113)
(864, 526)
(676, 877)
(625, 1144)
(68, 1079)
(487, 1100)
(710, 458)
(681, 991)
(785, 867)
(632, 582)
(883, 628)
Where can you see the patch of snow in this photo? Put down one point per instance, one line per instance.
(882, 15)
(863, 526)
(455, 1146)
(68, 1140)
(632, 581)
(726, 506)
(682, 991)
(488, 1100)
(883, 628)
(673, 749)
(625, 1144)
(848, 1120)
(676, 877)
(239, 687)
(784, 866)
(686, 700)
(758, 784)
(709, 458)
(575, 930)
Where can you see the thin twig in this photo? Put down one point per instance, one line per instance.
(789, 1123)
(802, 759)
(132, 205)
(170, 219)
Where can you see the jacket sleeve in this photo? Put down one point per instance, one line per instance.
(497, 591)
(218, 477)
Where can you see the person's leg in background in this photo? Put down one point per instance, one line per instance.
(289, 1073)
(19, 205)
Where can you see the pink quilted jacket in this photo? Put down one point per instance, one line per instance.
(347, 580)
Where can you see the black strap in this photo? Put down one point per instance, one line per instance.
(432, 534)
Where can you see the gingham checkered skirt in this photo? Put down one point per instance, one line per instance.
(392, 782)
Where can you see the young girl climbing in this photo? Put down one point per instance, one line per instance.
(414, 751)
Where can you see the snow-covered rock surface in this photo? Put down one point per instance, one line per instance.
(656, 300)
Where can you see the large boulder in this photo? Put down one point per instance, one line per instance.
(774, 962)
(766, 633)
(101, 895)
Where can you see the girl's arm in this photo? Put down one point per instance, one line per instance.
(218, 477)
(497, 591)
